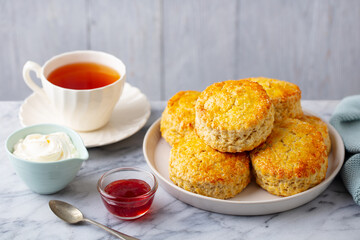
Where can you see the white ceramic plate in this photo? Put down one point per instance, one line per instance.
(129, 116)
(253, 200)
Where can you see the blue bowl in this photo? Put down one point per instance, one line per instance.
(46, 177)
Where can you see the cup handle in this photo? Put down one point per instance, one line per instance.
(32, 66)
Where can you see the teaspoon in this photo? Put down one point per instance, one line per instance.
(72, 215)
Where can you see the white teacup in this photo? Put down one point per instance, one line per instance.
(81, 110)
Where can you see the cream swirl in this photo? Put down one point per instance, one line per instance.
(45, 148)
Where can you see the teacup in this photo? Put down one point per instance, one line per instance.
(85, 109)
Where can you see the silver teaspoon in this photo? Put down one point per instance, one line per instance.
(72, 215)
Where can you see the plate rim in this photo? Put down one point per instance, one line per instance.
(315, 190)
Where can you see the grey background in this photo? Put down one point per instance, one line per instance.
(170, 46)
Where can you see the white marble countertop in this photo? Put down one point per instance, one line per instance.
(26, 215)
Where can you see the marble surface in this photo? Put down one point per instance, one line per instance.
(26, 215)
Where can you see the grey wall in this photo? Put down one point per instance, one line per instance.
(170, 46)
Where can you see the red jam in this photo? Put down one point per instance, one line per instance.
(128, 200)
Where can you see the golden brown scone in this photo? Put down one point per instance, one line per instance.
(198, 168)
(284, 95)
(291, 160)
(234, 115)
(178, 117)
(321, 126)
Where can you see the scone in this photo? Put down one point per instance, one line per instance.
(234, 115)
(284, 95)
(321, 126)
(178, 117)
(196, 167)
(291, 160)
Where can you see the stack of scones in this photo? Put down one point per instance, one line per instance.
(237, 129)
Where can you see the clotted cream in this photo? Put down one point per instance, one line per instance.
(45, 148)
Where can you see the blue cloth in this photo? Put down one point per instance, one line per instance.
(346, 120)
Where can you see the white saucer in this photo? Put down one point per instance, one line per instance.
(129, 116)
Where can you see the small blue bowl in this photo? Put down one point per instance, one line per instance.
(46, 177)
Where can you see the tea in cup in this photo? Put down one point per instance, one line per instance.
(82, 86)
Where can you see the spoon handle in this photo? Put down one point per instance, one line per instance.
(112, 231)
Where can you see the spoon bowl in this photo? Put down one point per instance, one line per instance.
(66, 211)
(72, 215)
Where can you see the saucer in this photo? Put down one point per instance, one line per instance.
(129, 116)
